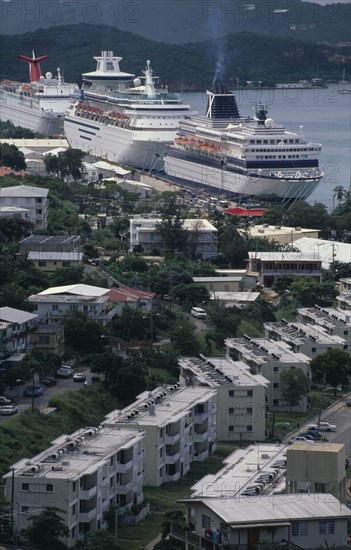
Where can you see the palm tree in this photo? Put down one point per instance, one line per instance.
(339, 193)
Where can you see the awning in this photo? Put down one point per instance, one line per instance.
(260, 525)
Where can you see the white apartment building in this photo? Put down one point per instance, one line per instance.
(202, 236)
(311, 340)
(15, 329)
(180, 427)
(269, 358)
(33, 199)
(82, 474)
(332, 320)
(240, 399)
(280, 234)
(57, 302)
(272, 265)
(344, 298)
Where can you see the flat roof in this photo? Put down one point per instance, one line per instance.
(276, 230)
(55, 240)
(241, 469)
(48, 255)
(265, 350)
(198, 224)
(229, 279)
(301, 333)
(160, 406)
(13, 315)
(77, 454)
(221, 371)
(235, 296)
(329, 317)
(301, 256)
(319, 448)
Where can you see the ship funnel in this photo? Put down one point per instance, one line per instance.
(221, 104)
(34, 66)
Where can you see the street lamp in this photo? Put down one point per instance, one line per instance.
(321, 402)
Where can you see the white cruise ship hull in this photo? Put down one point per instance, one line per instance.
(224, 181)
(143, 149)
(29, 113)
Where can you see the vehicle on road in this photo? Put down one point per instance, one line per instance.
(323, 427)
(65, 371)
(4, 400)
(198, 313)
(8, 410)
(48, 381)
(79, 377)
(33, 390)
(348, 403)
(300, 438)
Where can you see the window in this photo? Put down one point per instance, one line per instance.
(55, 307)
(249, 410)
(249, 393)
(231, 428)
(111, 460)
(205, 521)
(73, 532)
(313, 350)
(249, 428)
(42, 263)
(231, 410)
(44, 339)
(327, 527)
(73, 510)
(275, 385)
(25, 486)
(74, 486)
(299, 529)
(346, 332)
(231, 393)
(275, 369)
(49, 487)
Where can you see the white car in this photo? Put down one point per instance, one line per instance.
(65, 371)
(79, 377)
(323, 427)
(300, 438)
(7, 410)
(4, 400)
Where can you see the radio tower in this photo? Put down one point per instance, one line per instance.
(34, 65)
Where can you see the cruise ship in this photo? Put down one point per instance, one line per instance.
(233, 155)
(124, 119)
(39, 104)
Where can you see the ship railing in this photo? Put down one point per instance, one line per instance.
(292, 173)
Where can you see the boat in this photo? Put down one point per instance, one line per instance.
(124, 119)
(345, 91)
(232, 155)
(39, 104)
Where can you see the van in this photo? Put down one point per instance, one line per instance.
(198, 313)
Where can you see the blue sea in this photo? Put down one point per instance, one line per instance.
(324, 115)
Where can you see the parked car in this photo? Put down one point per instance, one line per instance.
(307, 435)
(79, 377)
(33, 390)
(348, 403)
(65, 371)
(48, 381)
(323, 427)
(7, 410)
(314, 433)
(4, 400)
(300, 438)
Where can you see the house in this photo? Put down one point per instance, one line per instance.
(334, 321)
(201, 243)
(15, 329)
(55, 303)
(142, 190)
(16, 212)
(179, 425)
(307, 520)
(240, 398)
(272, 265)
(278, 233)
(238, 299)
(81, 474)
(131, 297)
(269, 358)
(49, 262)
(327, 251)
(220, 284)
(34, 199)
(249, 278)
(48, 338)
(312, 340)
(49, 243)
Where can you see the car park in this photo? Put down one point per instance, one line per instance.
(79, 377)
(35, 391)
(48, 381)
(4, 400)
(8, 410)
(323, 427)
(65, 371)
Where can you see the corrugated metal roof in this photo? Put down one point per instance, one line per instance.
(79, 289)
(12, 315)
(23, 191)
(64, 256)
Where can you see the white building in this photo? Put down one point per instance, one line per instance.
(334, 321)
(34, 199)
(269, 358)
(327, 251)
(179, 425)
(311, 340)
(306, 520)
(278, 233)
(240, 399)
(57, 302)
(82, 474)
(272, 265)
(15, 329)
(202, 236)
(344, 299)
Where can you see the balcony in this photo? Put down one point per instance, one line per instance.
(201, 437)
(174, 477)
(125, 467)
(172, 459)
(87, 494)
(199, 457)
(125, 488)
(85, 517)
(200, 418)
(172, 439)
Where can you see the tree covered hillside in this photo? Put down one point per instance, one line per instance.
(244, 56)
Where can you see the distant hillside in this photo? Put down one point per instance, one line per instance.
(181, 21)
(243, 56)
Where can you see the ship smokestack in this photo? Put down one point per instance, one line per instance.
(34, 65)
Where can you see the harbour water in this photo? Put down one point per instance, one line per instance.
(323, 113)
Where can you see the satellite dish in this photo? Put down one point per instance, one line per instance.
(136, 82)
(48, 75)
(268, 122)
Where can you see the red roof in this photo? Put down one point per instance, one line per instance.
(125, 294)
(245, 213)
(4, 171)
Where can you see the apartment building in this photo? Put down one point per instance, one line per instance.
(55, 303)
(272, 265)
(49, 243)
(332, 320)
(240, 398)
(344, 298)
(49, 338)
(34, 199)
(202, 239)
(15, 329)
(81, 474)
(311, 340)
(180, 427)
(269, 358)
(278, 233)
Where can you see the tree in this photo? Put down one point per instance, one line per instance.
(303, 214)
(294, 385)
(46, 529)
(83, 334)
(174, 237)
(308, 292)
(14, 229)
(226, 322)
(97, 540)
(11, 157)
(66, 163)
(191, 293)
(339, 193)
(183, 337)
(332, 368)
